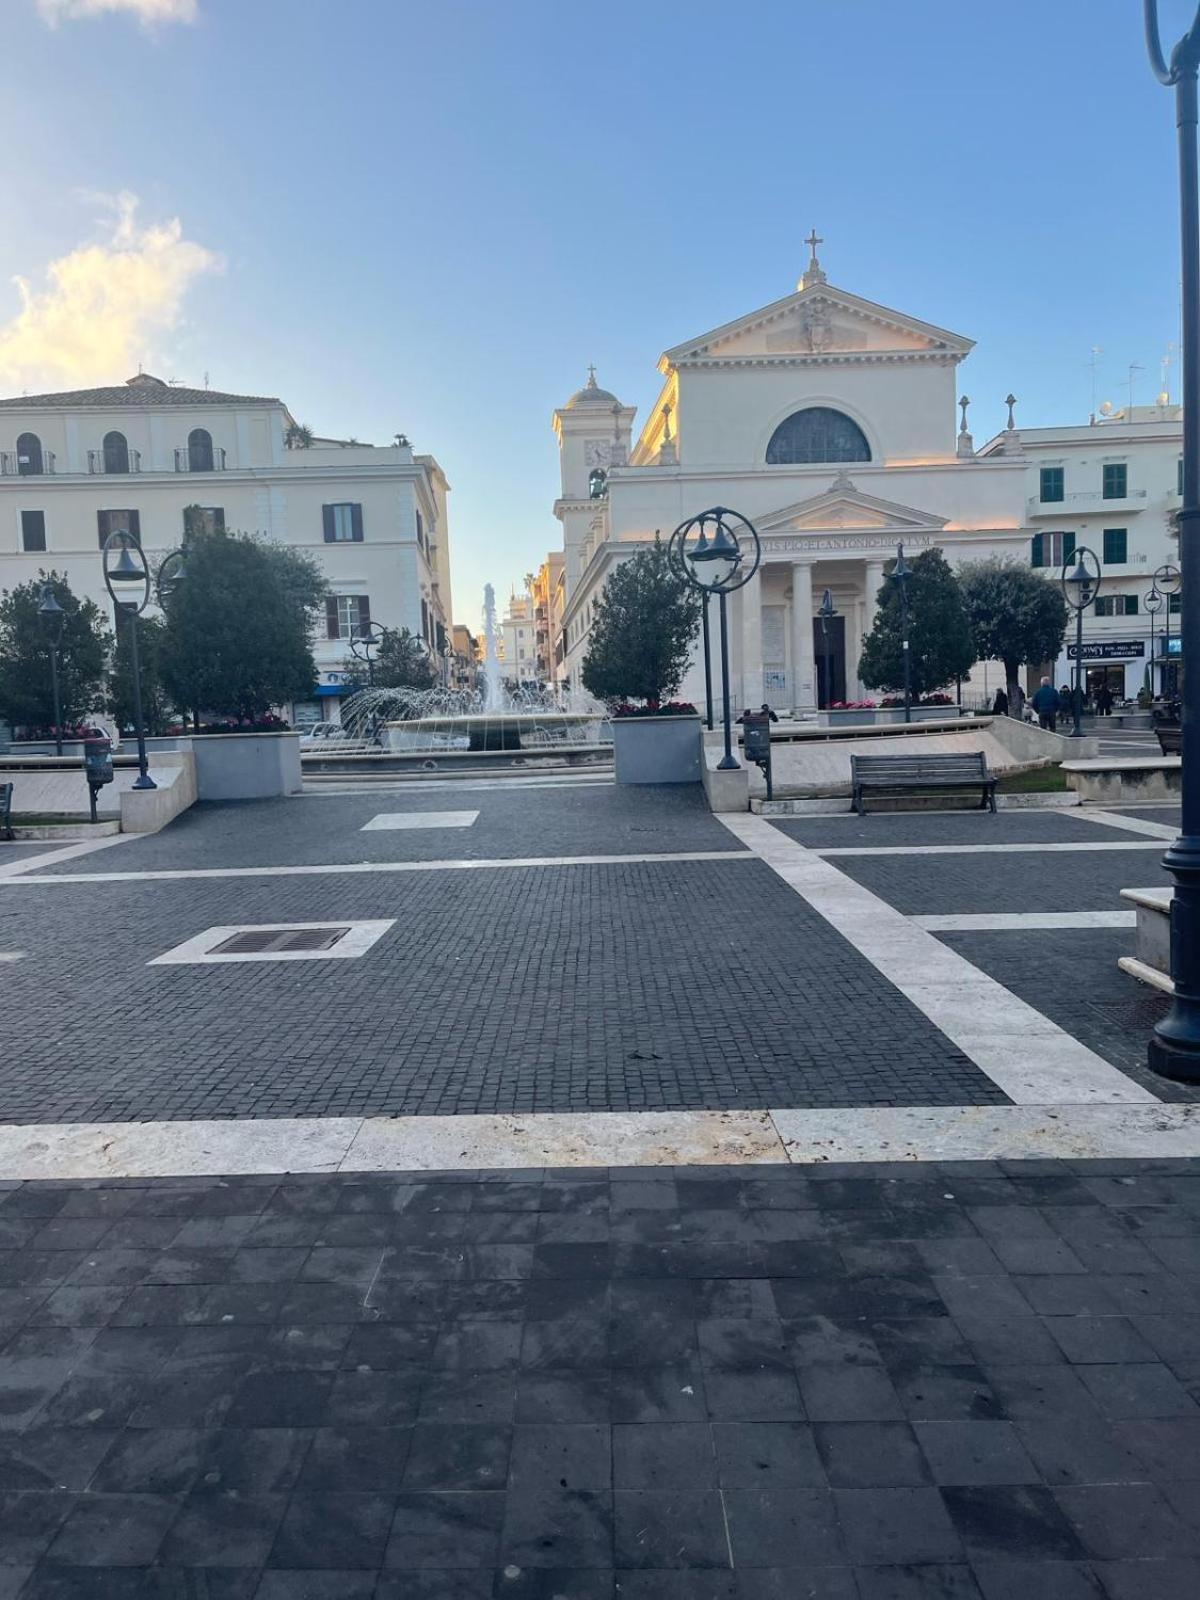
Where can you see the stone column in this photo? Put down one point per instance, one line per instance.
(804, 671)
(872, 583)
(752, 661)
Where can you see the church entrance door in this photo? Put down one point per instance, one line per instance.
(835, 689)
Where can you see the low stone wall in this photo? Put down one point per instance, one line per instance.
(724, 791)
(148, 810)
(247, 766)
(1126, 781)
(48, 786)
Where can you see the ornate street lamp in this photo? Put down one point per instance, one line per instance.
(902, 572)
(125, 565)
(172, 570)
(826, 611)
(1168, 580)
(1153, 604)
(1175, 1044)
(723, 555)
(369, 636)
(1079, 587)
(52, 616)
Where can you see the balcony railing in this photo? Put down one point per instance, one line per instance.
(204, 459)
(13, 465)
(1071, 505)
(111, 462)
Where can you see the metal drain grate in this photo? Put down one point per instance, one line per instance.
(274, 941)
(1136, 1014)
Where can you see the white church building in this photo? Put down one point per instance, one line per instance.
(834, 424)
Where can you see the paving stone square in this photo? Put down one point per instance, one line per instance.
(422, 1443)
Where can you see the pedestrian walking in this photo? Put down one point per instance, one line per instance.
(1045, 703)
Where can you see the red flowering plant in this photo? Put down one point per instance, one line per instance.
(268, 723)
(853, 705)
(654, 708)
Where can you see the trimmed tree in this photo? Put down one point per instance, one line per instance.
(240, 626)
(156, 703)
(26, 696)
(643, 629)
(1017, 616)
(940, 643)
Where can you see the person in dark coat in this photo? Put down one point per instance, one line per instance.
(1045, 703)
(768, 713)
(1000, 704)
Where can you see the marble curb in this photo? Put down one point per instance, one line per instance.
(99, 1151)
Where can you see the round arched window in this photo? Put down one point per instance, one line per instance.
(200, 450)
(817, 434)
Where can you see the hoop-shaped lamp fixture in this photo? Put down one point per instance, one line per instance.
(1154, 601)
(1081, 583)
(365, 639)
(718, 550)
(172, 571)
(1168, 579)
(51, 615)
(125, 564)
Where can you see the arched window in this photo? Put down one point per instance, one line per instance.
(116, 452)
(200, 450)
(817, 434)
(29, 454)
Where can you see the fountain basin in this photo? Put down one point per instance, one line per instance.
(495, 730)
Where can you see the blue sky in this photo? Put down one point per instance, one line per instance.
(431, 217)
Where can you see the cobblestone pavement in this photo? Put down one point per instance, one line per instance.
(1073, 978)
(973, 1382)
(636, 986)
(596, 819)
(1020, 881)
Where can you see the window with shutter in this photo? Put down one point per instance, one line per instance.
(1116, 547)
(1037, 556)
(332, 626)
(126, 521)
(1116, 480)
(33, 530)
(343, 523)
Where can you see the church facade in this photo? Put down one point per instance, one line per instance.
(834, 425)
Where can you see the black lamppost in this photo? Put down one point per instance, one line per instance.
(825, 611)
(1079, 586)
(369, 636)
(902, 572)
(674, 556)
(1168, 580)
(1153, 603)
(125, 564)
(716, 563)
(52, 616)
(1175, 1044)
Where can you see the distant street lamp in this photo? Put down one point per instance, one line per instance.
(1079, 586)
(52, 616)
(125, 564)
(826, 611)
(1153, 603)
(716, 563)
(1174, 1050)
(902, 572)
(365, 638)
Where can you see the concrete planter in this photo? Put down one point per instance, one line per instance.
(657, 749)
(45, 747)
(246, 766)
(919, 713)
(846, 719)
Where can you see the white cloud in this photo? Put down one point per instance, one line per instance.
(148, 12)
(102, 305)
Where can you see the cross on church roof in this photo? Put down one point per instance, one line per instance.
(592, 376)
(812, 273)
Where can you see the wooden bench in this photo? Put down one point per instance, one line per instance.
(920, 774)
(6, 791)
(1170, 738)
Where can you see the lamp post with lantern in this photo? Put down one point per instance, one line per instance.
(125, 566)
(826, 611)
(1079, 586)
(718, 552)
(52, 616)
(902, 572)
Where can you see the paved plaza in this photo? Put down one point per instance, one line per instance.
(642, 1206)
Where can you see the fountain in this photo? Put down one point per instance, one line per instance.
(533, 721)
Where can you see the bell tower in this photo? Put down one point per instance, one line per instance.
(594, 433)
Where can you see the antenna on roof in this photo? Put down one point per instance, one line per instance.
(206, 380)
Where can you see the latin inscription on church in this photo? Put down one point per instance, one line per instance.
(850, 541)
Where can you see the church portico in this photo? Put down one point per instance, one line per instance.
(832, 424)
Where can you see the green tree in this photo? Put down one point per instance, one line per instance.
(156, 703)
(940, 644)
(401, 662)
(1017, 616)
(240, 624)
(643, 629)
(26, 696)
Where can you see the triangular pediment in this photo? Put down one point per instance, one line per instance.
(818, 324)
(846, 507)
